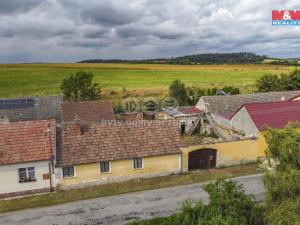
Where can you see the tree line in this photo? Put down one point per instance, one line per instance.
(206, 58)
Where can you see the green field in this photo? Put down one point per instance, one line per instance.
(140, 79)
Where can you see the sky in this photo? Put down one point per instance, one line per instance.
(74, 30)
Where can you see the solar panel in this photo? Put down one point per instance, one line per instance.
(16, 103)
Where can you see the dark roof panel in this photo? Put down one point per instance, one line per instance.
(31, 108)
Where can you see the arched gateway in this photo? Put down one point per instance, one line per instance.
(202, 159)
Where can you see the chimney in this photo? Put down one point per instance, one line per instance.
(77, 125)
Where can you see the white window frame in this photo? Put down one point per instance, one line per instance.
(27, 174)
(62, 172)
(142, 163)
(109, 165)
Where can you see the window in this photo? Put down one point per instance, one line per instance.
(26, 174)
(68, 171)
(104, 167)
(138, 163)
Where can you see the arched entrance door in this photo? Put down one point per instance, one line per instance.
(202, 159)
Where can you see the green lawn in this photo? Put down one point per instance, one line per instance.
(126, 187)
(45, 79)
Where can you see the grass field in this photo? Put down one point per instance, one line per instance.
(45, 79)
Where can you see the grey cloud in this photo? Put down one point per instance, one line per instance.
(21, 6)
(78, 29)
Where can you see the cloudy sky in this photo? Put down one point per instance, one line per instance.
(72, 30)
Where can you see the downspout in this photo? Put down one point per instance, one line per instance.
(50, 177)
(181, 169)
(51, 163)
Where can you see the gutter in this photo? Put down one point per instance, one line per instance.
(181, 164)
(50, 177)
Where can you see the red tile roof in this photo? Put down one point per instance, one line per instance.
(274, 114)
(118, 141)
(88, 110)
(189, 110)
(22, 142)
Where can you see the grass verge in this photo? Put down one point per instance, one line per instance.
(126, 187)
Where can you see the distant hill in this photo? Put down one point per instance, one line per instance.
(208, 58)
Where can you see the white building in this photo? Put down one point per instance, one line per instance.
(27, 150)
(186, 115)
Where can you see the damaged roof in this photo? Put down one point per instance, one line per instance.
(102, 141)
(183, 111)
(227, 105)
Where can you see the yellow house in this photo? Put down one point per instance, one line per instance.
(98, 153)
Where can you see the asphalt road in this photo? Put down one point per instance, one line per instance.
(122, 208)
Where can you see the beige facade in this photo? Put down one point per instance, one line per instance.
(122, 170)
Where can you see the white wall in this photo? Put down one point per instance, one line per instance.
(188, 120)
(201, 105)
(9, 177)
(242, 121)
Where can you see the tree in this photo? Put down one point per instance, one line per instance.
(284, 82)
(284, 147)
(177, 90)
(286, 212)
(295, 79)
(282, 201)
(80, 87)
(268, 82)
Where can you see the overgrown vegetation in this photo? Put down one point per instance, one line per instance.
(80, 87)
(194, 93)
(228, 205)
(283, 186)
(283, 82)
(190, 95)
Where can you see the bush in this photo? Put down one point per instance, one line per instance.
(286, 212)
(284, 82)
(284, 147)
(228, 205)
(281, 185)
